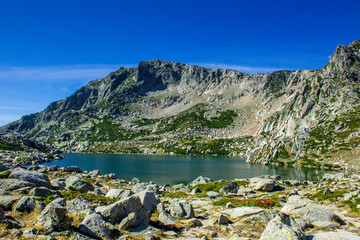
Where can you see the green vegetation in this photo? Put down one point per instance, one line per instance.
(9, 146)
(352, 203)
(5, 174)
(47, 199)
(240, 202)
(178, 194)
(70, 195)
(329, 197)
(144, 122)
(213, 186)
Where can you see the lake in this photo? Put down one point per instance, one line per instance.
(163, 169)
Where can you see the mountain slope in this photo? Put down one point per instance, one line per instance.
(294, 117)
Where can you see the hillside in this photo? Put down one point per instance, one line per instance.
(286, 117)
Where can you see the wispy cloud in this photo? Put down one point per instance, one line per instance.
(240, 68)
(8, 118)
(57, 73)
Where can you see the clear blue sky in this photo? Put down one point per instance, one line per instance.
(48, 49)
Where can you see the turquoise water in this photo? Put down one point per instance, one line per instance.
(180, 169)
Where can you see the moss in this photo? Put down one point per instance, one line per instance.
(329, 197)
(5, 174)
(70, 195)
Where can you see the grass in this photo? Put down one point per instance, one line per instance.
(178, 194)
(5, 174)
(352, 203)
(214, 186)
(240, 202)
(70, 195)
(327, 197)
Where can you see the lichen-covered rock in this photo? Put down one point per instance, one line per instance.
(200, 180)
(181, 209)
(95, 226)
(2, 214)
(13, 184)
(283, 227)
(39, 179)
(148, 200)
(42, 192)
(119, 193)
(25, 204)
(7, 201)
(53, 217)
(79, 206)
(76, 183)
(262, 184)
(231, 187)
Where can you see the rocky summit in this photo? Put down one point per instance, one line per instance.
(307, 118)
(51, 202)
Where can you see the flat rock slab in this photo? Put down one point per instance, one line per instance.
(12, 184)
(338, 235)
(242, 211)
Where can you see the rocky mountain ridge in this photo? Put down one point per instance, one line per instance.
(301, 117)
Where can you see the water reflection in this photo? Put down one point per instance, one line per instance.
(175, 169)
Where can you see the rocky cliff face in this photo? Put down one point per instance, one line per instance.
(293, 117)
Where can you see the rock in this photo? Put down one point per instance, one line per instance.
(166, 219)
(79, 236)
(231, 187)
(12, 184)
(3, 168)
(30, 232)
(244, 190)
(7, 201)
(3, 192)
(222, 219)
(78, 184)
(242, 211)
(119, 193)
(116, 212)
(327, 191)
(321, 224)
(128, 222)
(338, 235)
(25, 204)
(53, 217)
(195, 191)
(181, 209)
(12, 223)
(24, 190)
(2, 214)
(39, 179)
(262, 184)
(95, 226)
(200, 180)
(308, 210)
(283, 227)
(139, 187)
(58, 184)
(79, 206)
(212, 194)
(42, 192)
(112, 176)
(135, 180)
(148, 200)
(72, 169)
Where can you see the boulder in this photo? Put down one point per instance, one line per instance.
(231, 187)
(148, 200)
(39, 179)
(181, 209)
(119, 193)
(116, 212)
(79, 206)
(128, 222)
(222, 219)
(13, 184)
(283, 227)
(3, 168)
(195, 191)
(306, 209)
(200, 180)
(7, 201)
(2, 214)
(79, 236)
(262, 184)
(25, 204)
(76, 183)
(42, 192)
(166, 219)
(139, 187)
(95, 226)
(72, 169)
(242, 211)
(338, 235)
(58, 184)
(3, 192)
(53, 217)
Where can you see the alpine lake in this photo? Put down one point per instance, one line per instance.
(167, 169)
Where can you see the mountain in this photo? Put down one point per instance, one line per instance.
(301, 117)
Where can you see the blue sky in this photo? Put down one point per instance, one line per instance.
(49, 49)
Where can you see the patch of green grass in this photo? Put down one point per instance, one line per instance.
(144, 122)
(352, 203)
(240, 202)
(47, 199)
(70, 195)
(178, 194)
(329, 197)
(5, 174)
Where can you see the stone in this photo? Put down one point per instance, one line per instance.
(39, 179)
(222, 219)
(119, 193)
(7, 201)
(283, 227)
(25, 204)
(72, 169)
(337, 235)
(327, 191)
(2, 214)
(262, 184)
(58, 184)
(321, 224)
(79, 206)
(306, 209)
(231, 187)
(3, 168)
(166, 219)
(128, 222)
(195, 191)
(79, 236)
(12, 184)
(3, 192)
(95, 226)
(181, 209)
(42, 192)
(244, 190)
(212, 194)
(200, 180)
(148, 200)
(78, 184)
(53, 217)
(242, 211)
(139, 187)
(135, 180)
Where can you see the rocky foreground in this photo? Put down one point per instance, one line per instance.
(44, 202)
